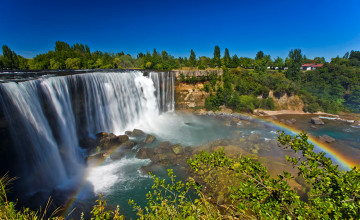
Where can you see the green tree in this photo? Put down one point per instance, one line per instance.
(279, 62)
(295, 61)
(216, 59)
(73, 63)
(10, 59)
(204, 62)
(192, 58)
(227, 58)
(1, 62)
(235, 61)
(259, 55)
(319, 60)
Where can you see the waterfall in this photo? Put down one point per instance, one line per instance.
(48, 116)
(164, 83)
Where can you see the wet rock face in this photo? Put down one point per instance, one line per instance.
(128, 144)
(117, 155)
(317, 121)
(105, 141)
(177, 149)
(165, 154)
(149, 139)
(137, 133)
(145, 153)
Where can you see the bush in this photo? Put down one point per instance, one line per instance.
(267, 103)
(207, 87)
(244, 103)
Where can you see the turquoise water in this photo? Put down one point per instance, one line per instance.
(347, 135)
(122, 180)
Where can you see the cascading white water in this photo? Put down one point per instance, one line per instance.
(164, 83)
(46, 117)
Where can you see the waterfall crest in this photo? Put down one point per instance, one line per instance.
(48, 116)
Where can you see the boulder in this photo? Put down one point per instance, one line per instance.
(128, 133)
(95, 158)
(165, 159)
(326, 138)
(313, 126)
(293, 120)
(233, 124)
(273, 117)
(101, 135)
(123, 138)
(288, 122)
(145, 153)
(164, 147)
(210, 113)
(317, 121)
(137, 133)
(112, 136)
(149, 139)
(128, 145)
(262, 113)
(177, 149)
(117, 155)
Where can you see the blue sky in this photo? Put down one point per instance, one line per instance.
(320, 28)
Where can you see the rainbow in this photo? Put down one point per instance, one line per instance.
(337, 156)
(69, 207)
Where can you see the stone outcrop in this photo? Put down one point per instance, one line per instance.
(165, 154)
(137, 133)
(149, 139)
(105, 141)
(327, 139)
(196, 73)
(317, 121)
(128, 145)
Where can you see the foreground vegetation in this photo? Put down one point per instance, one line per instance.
(246, 190)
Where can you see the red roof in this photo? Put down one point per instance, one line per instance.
(307, 64)
(318, 65)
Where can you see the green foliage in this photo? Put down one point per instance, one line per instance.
(172, 201)
(335, 194)
(8, 208)
(252, 194)
(9, 59)
(72, 63)
(294, 64)
(99, 213)
(192, 58)
(216, 60)
(279, 62)
(213, 102)
(227, 58)
(267, 103)
(259, 55)
(334, 87)
(238, 188)
(244, 103)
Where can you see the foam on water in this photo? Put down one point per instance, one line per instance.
(105, 176)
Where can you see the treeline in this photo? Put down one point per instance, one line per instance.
(79, 56)
(334, 87)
